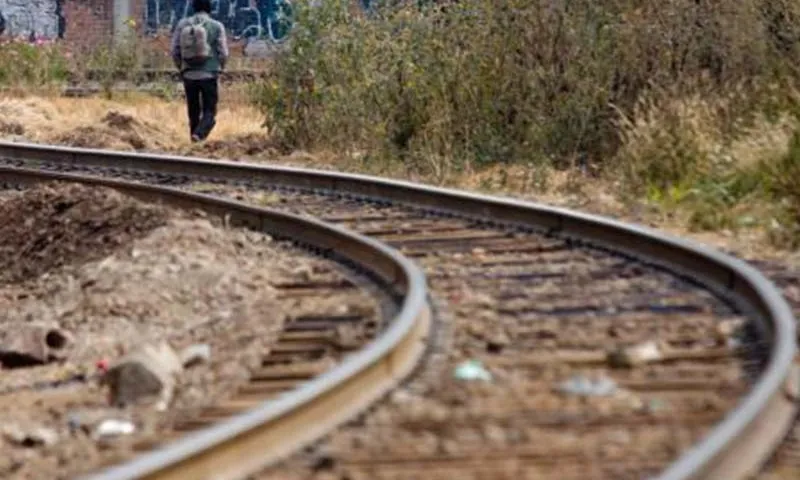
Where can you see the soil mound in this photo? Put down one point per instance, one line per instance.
(250, 144)
(55, 225)
(116, 130)
(11, 128)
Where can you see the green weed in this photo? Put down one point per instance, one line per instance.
(32, 64)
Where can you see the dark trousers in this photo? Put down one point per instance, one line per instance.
(201, 100)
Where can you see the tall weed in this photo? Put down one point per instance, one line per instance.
(446, 87)
(32, 63)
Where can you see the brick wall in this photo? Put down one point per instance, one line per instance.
(88, 22)
(78, 22)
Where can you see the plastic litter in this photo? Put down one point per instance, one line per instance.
(195, 355)
(472, 370)
(114, 428)
(586, 387)
(657, 405)
(102, 365)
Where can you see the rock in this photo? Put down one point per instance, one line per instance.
(496, 342)
(33, 344)
(349, 336)
(635, 355)
(11, 128)
(725, 329)
(656, 405)
(196, 354)
(545, 333)
(401, 396)
(32, 436)
(144, 374)
(303, 272)
(482, 300)
(495, 434)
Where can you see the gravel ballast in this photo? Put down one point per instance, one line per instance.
(115, 275)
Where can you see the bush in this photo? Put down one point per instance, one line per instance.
(477, 82)
(25, 63)
(783, 185)
(721, 161)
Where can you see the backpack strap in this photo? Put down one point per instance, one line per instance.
(206, 23)
(199, 20)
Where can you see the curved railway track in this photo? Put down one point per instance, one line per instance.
(537, 293)
(308, 345)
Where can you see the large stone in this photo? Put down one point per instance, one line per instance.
(33, 344)
(29, 435)
(146, 374)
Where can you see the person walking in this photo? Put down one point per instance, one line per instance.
(200, 51)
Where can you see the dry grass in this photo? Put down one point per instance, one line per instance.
(160, 124)
(239, 135)
(672, 139)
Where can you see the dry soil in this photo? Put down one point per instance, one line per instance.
(117, 274)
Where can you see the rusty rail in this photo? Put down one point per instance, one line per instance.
(246, 442)
(734, 449)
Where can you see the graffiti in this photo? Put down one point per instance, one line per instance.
(33, 18)
(244, 19)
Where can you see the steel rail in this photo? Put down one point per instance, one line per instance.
(734, 449)
(246, 442)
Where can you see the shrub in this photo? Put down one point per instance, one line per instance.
(37, 63)
(720, 160)
(783, 175)
(477, 82)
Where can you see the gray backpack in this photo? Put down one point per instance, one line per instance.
(195, 49)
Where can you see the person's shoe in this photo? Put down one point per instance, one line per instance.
(196, 138)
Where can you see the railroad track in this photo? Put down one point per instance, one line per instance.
(308, 345)
(538, 294)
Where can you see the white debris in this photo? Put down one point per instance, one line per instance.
(472, 370)
(585, 387)
(113, 428)
(635, 355)
(196, 354)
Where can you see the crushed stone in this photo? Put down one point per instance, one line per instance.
(119, 274)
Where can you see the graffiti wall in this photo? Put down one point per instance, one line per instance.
(41, 18)
(244, 19)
